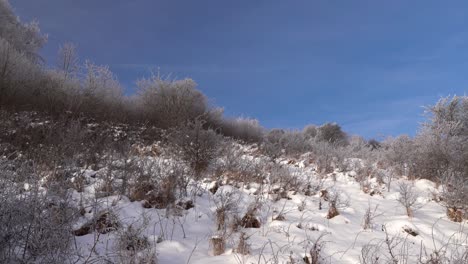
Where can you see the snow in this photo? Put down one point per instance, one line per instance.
(185, 236)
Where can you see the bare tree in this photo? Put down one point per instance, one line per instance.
(67, 59)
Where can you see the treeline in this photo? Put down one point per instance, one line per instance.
(87, 89)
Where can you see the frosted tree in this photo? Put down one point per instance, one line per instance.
(399, 152)
(24, 37)
(67, 60)
(101, 88)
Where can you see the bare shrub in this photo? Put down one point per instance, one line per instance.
(168, 188)
(451, 250)
(324, 155)
(197, 146)
(315, 252)
(313, 185)
(370, 254)
(283, 180)
(133, 247)
(243, 247)
(234, 167)
(408, 197)
(454, 197)
(250, 220)
(369, 217)
(33, 224)
(226, 207)
(218, 245)
(271, 144)
(336, 201)
(399, 153)
(294, 143)
(229, 162)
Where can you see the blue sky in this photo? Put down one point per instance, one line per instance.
(368, 65)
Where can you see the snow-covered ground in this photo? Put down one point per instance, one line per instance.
(183, 236)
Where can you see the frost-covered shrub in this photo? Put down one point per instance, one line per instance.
(454, 197)
(331, 133)
(278, 141)
(441, 144)
(310, 132)
(283, 180)
(133, 247)
(399, 154)
(324, 154)
(159, 183)
(196, 146)
(271, 144)
(226, 203)
(337, 200)
(102, 93)
(246, 129)
(171, 103)
(294, 143)
(33, 224)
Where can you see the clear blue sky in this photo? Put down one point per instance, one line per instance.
(368, 65)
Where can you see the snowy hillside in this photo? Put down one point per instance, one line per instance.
(292, 227)
(147, 170)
